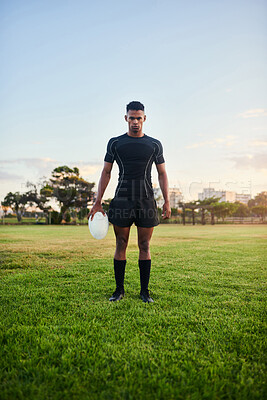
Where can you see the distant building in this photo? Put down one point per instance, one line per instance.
(207, 193)
(33, 210)
(223, 195)
(175, 197)
(5, 210)
(243, 198)
(227, 196)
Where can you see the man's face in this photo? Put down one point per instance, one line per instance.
(135, 121)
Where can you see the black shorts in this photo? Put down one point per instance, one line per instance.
(124, 212)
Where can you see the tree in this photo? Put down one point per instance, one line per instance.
(260, 211)
(16, 201)
(232, 208)
(242, 210)
(174, 212)
(258, 205)
(260, 200)
(105, 205)
(71, 190)
(40, 199)
(224, 208)
(207, 204)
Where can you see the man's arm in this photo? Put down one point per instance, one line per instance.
(103, 183)
(164, 186)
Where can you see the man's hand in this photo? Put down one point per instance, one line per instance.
(96, 208)
(166, 210)
(164, 186)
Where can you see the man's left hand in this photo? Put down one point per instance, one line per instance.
(166, 210)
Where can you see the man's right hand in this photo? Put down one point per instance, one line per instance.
(96, 208)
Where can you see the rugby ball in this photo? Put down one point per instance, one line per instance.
(99, 225)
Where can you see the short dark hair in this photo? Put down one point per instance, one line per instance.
(135, 105)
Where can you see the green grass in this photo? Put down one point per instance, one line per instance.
(24, 220)
(203, 338)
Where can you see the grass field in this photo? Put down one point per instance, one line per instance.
(203, 338)
(14, 221)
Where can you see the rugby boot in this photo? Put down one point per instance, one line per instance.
(145, 296)
(117, 295)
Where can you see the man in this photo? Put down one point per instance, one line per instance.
(134, 201)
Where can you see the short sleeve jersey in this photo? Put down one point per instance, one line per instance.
(134, 156)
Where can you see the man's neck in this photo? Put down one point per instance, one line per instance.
(135, 134)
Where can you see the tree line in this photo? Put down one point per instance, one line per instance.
(213, 208)
(65, 186)
(73, 193)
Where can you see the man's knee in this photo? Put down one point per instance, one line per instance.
(121, 242)
(143, 246)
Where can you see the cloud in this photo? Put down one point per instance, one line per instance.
(258, 143)
(259, 128)
(45, 165)
(7, 177)
(36, 142)
(228, 141)
(254, 113)
(40, 164)
(89, 169)
(255, 161)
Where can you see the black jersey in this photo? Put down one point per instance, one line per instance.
(134, 156)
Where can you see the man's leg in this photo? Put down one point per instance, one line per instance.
(144, 236)
(122, 236)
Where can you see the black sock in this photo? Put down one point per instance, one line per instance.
(119, 270)
(144, 267)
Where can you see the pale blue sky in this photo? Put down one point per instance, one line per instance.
(68, 68)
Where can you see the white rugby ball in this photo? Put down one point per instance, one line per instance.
(99, 225)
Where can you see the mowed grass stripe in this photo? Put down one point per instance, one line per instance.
(203, 338)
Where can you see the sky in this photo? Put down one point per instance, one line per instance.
(68, 69)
